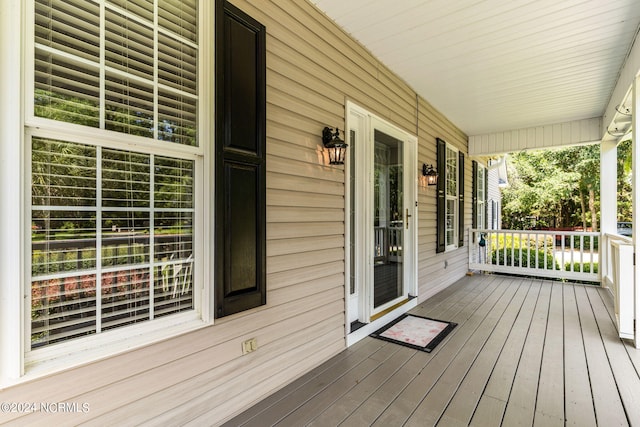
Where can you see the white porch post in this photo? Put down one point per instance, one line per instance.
(608, 201)
(11, 222)
(635, 96)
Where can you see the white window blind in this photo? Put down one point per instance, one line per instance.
(107, 64)
(135, 210)
(112, 229)
(451, 197)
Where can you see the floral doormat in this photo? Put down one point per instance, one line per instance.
(420, 333)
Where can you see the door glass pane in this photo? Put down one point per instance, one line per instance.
(388, 227)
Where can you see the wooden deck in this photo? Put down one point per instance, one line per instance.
(525, 352)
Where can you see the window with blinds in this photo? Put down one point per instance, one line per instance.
(126, 66)
(112, 239)
(112, 228)
(451, 197)
(481, 197)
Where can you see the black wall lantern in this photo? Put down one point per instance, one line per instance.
(336, 146)
(430, 173)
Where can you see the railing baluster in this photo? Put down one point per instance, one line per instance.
(591, 246)
(520, 242)
(562, 253)
(571, 247)
(513, 256)
(544, 245)
(581, 254)
(504, 243)
(554, 251)
(536, 257)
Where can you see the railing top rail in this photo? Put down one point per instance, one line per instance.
(619, 239)
(541, 232)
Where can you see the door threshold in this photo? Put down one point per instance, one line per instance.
(389, 309)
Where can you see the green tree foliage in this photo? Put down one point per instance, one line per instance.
(624, 181)
(561, 188)
(538, 188)
(585, 162)
(64, 108)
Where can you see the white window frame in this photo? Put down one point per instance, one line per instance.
(11, 202)
(17, 362)
(452, 198)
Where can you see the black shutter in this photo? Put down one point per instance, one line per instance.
(460, 199)
(240, 145)
(441, 158)
(474, 195)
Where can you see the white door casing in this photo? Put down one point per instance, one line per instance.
(360, 239)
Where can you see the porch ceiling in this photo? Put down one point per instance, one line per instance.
(495, 65)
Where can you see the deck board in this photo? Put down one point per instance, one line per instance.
(334, 391)
(525, 352)
(550, 399)
(607, 404)
(579, 411)
(370, 411)
(296, 393)
(466, 398)
(435, 402)
(501, 379)
(337, 412)
(624, 371)
(521, 404)
(401, 408)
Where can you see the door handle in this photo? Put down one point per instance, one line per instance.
(407, 216)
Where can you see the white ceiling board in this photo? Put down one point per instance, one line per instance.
(494, 65)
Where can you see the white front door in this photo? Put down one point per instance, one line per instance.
(381, 205)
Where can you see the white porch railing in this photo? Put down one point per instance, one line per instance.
(618, 277)
(388, 242)
(555, 254)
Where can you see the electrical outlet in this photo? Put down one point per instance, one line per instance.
(249, 345)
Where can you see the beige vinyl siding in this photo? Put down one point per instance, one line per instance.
(312, 68)
(437, 271)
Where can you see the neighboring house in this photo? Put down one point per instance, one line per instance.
(176, 245)
(489, 177)
(496, 180)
